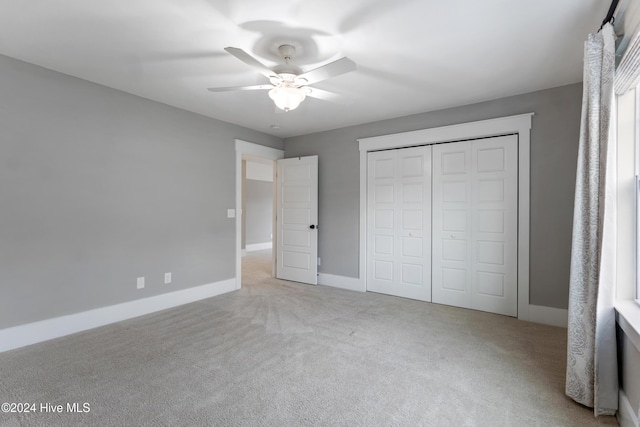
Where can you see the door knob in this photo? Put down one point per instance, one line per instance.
(312, 226)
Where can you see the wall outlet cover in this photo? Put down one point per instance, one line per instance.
(140, 282)
(167, 278)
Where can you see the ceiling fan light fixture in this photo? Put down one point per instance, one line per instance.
(286, 97)
(289, 84)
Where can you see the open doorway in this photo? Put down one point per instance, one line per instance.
(253, 165)
(257, 216)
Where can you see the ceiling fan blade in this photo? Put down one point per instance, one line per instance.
(251, 61)
(237, 88)
(332, 69)
(322, 94)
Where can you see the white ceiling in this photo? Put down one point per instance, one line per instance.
(413, 56)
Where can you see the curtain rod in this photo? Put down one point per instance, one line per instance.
(612, 10)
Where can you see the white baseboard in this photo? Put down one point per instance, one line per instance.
(31, 333)
(549, 315)
(342, 282)
(259, 246)
(626, 415)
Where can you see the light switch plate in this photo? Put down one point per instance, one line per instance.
(140, 282)
(231, 213)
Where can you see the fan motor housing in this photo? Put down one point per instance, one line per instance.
(287, 69)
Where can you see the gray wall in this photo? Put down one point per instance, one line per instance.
(554, 148)
(98, 187)
(259, 211)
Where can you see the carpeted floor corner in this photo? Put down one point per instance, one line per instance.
(277, 353)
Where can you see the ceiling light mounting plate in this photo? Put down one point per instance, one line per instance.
(287, 51)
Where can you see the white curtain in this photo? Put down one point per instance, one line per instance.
(592, 371)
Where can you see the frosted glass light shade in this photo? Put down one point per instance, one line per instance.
(287, 97)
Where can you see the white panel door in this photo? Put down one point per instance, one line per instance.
(495, 225)
(297, 220)
(399, 223)
(452, 249)
(475, 214)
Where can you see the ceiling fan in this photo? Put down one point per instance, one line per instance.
(289, 85)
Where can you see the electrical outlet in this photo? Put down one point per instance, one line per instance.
(231, 213)
(167, 278)
(140, 282)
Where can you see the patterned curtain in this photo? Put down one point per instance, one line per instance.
(592, 371)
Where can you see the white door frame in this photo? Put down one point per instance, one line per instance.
(257, 150)
(520, 124)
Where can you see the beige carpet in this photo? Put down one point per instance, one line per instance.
(277, 353)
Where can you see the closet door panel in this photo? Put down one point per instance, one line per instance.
(381, 219)
(399, 223)
(495, 225)
(475, 196)
(451, 283)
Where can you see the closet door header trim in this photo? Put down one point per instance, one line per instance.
(471, 130)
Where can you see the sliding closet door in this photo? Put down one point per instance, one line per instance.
(399, 222)
(475, 196)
